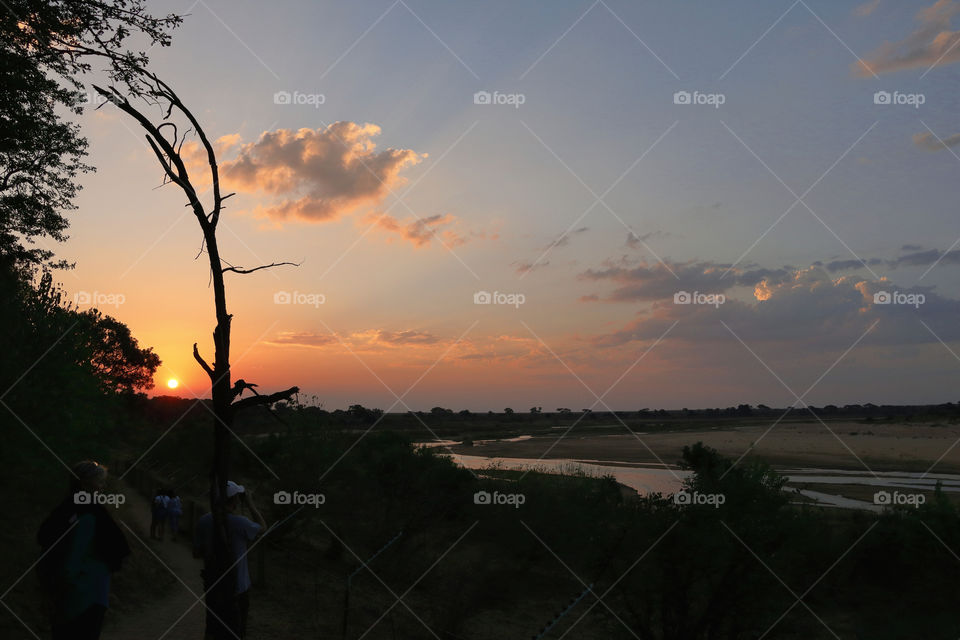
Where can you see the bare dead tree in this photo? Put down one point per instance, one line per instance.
(166, 141)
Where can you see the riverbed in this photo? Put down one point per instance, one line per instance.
(827, 487)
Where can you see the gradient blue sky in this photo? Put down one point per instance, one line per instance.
(698, 186)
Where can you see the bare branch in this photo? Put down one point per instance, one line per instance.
(203, 363)
(257, 400)
(203, 244)
(180, 176)
(241, 270)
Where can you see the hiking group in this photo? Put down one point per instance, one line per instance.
(82, 546)
(166, 509)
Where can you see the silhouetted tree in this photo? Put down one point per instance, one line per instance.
(165, 139)
(115, 355)
(44, 46)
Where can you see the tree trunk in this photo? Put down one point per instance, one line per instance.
(221, 601)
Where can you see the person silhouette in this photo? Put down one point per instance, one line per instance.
(158, 514)
(174, 511)
(81, 547)
(231, 620)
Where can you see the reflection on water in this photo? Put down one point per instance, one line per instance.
(643, 479)
(666, 480)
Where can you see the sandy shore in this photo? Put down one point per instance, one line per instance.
(840, 445)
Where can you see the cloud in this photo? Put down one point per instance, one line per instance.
(408, 336)
(809, 310)
(655, 281)
(564, 240)
(916, 256)
(866, 8)
(846, 265)
(316, 174)
(931, 44)
(660, 280)
(527, 267)
(420, 231)
(413, 345)
(321, 175)
(929, 142)
(635, 242)
(357, 339)
(303, 339)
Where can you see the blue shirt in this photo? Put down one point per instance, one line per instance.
(87, 577)
(241, 531)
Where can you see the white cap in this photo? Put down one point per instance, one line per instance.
(233, 488)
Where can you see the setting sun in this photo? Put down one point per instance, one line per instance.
(173, 383)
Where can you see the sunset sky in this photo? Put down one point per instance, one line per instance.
(597, 199)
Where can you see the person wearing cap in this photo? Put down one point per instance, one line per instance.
(241, 531)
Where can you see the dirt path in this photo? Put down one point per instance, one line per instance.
(168, 617)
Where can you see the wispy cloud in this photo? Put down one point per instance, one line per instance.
(865, 9)
(655, 281)
(931, 44)
(420, 231)
(929, 142)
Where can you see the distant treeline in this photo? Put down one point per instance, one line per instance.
(164, 407)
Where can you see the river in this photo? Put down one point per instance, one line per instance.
(646, 478)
